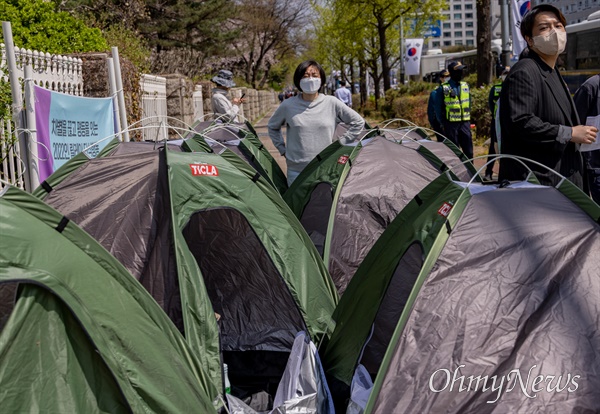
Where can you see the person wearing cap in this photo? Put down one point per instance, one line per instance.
(453, 109)
(443, 77)
(344, 95)
(493, 105)
(224, 110)
(538, 119)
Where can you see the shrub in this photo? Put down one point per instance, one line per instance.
(410, 102)
(37, 25)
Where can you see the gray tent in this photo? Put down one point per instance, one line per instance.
(360, 189)
(479, 283)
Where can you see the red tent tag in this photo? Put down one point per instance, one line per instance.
(204, 170)
(343, 159)
(445, 209)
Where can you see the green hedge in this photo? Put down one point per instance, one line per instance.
(410, 102)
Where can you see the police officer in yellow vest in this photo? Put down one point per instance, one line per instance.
(493, 105)
(453, 109)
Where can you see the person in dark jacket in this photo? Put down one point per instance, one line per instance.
(538, 119)
(453, 109)
(587, 103)
(492, 104)
(443, 76)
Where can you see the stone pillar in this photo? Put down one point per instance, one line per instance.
(198, 103)
(237, 93)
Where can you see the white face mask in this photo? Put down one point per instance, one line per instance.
(552, 44)
(444, 80)
(310, 85)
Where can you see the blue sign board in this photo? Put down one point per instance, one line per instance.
(431, 28)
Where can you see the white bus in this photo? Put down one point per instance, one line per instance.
(433, 62)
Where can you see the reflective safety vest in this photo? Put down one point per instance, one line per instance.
(457, 107)
(497, 89)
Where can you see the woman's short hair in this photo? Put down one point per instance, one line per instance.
(529, 19)
(301, 70)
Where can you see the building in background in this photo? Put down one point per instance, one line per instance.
(460, 26)
(575, 11)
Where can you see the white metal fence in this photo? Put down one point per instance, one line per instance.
(54, 72)
(154, 108)
(64, 74)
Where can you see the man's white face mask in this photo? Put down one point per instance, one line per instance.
(552, 44)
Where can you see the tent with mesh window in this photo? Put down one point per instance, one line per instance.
(242, 140)
(213, 243)
(480, 280)
(77, 333)
(348, 194)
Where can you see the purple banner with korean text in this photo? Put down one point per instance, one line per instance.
(66, 125)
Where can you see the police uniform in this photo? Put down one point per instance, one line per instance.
(454, 112)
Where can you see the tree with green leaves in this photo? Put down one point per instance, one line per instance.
(118, 21)
(39, 25)
(184, 33)
(269, 30)
(383, 19)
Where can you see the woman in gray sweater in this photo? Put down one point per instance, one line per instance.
(310, 119)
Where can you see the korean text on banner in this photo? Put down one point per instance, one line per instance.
(412, 57)
(519, 10)
(66, 125)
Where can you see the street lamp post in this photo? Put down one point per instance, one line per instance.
(504, 13)
(402, 52)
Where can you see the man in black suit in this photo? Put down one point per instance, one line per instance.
(538, 119)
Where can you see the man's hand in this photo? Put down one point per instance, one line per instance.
(584, 134)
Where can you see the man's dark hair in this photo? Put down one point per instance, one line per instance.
(529, 19)
(301, 70)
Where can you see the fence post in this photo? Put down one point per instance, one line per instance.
(34, 169)
(112, 83)
(120, 93)
(17, 96)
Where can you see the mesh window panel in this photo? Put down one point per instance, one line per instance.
(7, 301)
(315, 216)
(391, 307)
(257, 311)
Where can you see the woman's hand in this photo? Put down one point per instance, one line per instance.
(238, 101)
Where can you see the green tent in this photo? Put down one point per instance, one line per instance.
(479, 280)
(242, 140)
(77, 333)
(213, 243)
(347, 195)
